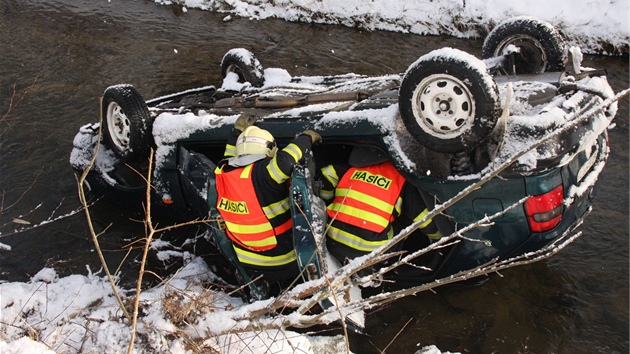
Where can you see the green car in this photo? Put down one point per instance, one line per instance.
(525, 126)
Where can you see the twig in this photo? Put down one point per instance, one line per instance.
(32, 333)
(148, 224)
(3, 208)
(45, 222)
(13, 104)
(396, 336)
(83, 200)
(150, 231)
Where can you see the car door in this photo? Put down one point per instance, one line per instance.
(309, 219)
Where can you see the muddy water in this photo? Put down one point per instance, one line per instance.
(57, 57)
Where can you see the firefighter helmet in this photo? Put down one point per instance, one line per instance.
(254, 140)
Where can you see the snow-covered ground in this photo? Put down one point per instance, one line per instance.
(78, 313)
(598, 26)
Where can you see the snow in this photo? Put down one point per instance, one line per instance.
(78, 313)
(588, 24)
(171, 127)
(457, 56)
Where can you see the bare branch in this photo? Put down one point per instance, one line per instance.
(24, 192)
(83, 200)
(14, 102)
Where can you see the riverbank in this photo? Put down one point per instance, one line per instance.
(598, 27)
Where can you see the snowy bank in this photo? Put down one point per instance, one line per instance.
(78, 314)
(595, 26)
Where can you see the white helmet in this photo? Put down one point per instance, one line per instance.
(254, 140)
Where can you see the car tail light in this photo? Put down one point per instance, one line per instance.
(544, 211)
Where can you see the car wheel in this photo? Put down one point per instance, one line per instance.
(448, 101)
(127, 122)
(541, 48)
(243, 63)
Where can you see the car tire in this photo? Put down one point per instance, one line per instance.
(542, 48)
(448, 101)
(242, 62)
(127, 128)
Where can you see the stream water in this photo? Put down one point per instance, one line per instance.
(57, 57)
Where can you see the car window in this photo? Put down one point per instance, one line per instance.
(197, 180)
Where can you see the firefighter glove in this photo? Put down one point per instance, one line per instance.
(244, 120)
(316, 139)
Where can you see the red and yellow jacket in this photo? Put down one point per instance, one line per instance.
(254, 203)
(246, 220)
(366, 197)
(363, 204)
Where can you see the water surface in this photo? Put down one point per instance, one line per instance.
(65, 53)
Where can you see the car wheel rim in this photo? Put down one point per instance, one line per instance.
(443, 106)
(531, 58)
(118, 126)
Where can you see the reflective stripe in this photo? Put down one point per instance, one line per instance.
(278, 208)
(327, 195)
(331, 175)
(256, 259)
(398, 206)
(275, 172)
(294, 151)
(250, 235)
(230, 150)
(420, 216)
(246, 171)
(366, 216)
(365, 198)
(248, 229)
(357, 242)
(352, 209)
(435, 236)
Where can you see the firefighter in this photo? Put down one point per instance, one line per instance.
(368, 201)
(253, 198)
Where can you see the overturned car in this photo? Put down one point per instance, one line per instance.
(516, 141)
